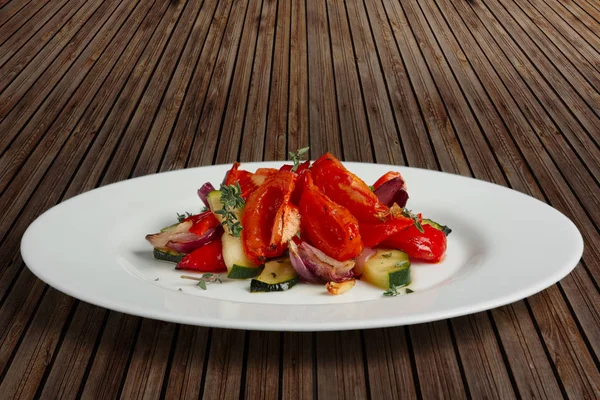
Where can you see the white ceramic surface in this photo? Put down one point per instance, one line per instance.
(504, 246)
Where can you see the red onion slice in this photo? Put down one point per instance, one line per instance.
(204, 191)
(323, 267)
(191, 242)
(392, 191)
(299, 265)
(367, 253)
(161, 239)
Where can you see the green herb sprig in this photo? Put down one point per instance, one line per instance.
(181, 217)
(393, 291)
(231, 198)
(409, 214)
(208, 277)
(297, 157)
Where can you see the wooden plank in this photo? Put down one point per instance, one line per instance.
(324, 130)
(200, 49)
(252, 141)
(16, 117)
(277, 114)
(298, 118)
(412, 89)
(585, 22)
(235, 110)
(73, 355)
(225, 364)
(8, 8)
(148, 364)
(185, 374)
(204, 143)
(389, 364)
(27, 22)
(356, 143)
(110, 361)
(583, 56)
(580, 100)
(297, 378)
(340, 366)
(262, 365)
(35, 352)
(182, 135)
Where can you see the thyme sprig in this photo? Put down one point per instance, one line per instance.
(297, 157)
(415, 217)
(232, 200)
(208, 277)
(393, 291)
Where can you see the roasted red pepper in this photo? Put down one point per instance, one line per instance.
(269, 219)
(388, 176)
(429, 245)
(348, 190)
(202, 222)
(208, 258)
(327, 225)
(373, 234)
(244, 178)
(301, 167)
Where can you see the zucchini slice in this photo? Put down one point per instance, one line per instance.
(445, 229)
(214, 204)
(277, 276)
(238, 265)
(167, 255)
(387, 268)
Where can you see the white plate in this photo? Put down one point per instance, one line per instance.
(504, 246)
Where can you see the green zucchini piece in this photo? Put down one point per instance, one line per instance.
(387, 268)
(167, 255)
(242, 272)
(277, 276)
(214, 204)
(445, 229)
(233, 253)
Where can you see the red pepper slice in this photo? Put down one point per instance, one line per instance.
(208, 258)
(348, 190)
(374, 234)
(202, 222)
(429, 245)
(301, 167)
(327, 225)
(269, 217)
(244, 178)
(388, 176)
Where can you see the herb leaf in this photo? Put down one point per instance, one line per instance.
(393, 291)
(208, 277)
(386, 255)
(415, 217)
(297, 157)
(202, 285)
(181, 217)
(231, 198)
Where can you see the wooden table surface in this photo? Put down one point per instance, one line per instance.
(93, 92)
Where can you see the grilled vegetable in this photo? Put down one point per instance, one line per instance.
(277, 276)
(167, 255)
(387, 268)
(442, 228)
(238, 265)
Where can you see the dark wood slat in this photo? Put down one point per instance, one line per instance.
(224, 367)
(262, 367)
(35, 352)
(277, 113)
(56, 68)
(200, 49)
(207, 132)
(298, 118)
(340, 366)
(235, 111)
(27, 22)
(413, 77)
(573, 98)
(252, 141)
(110, 361)
(74, 353)
(8, 8)
(297, 380)
(148, 364)
(324, 127)
(564, 37)
(350, 104)
(185, 374)
(585, 22)
(388, 364)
